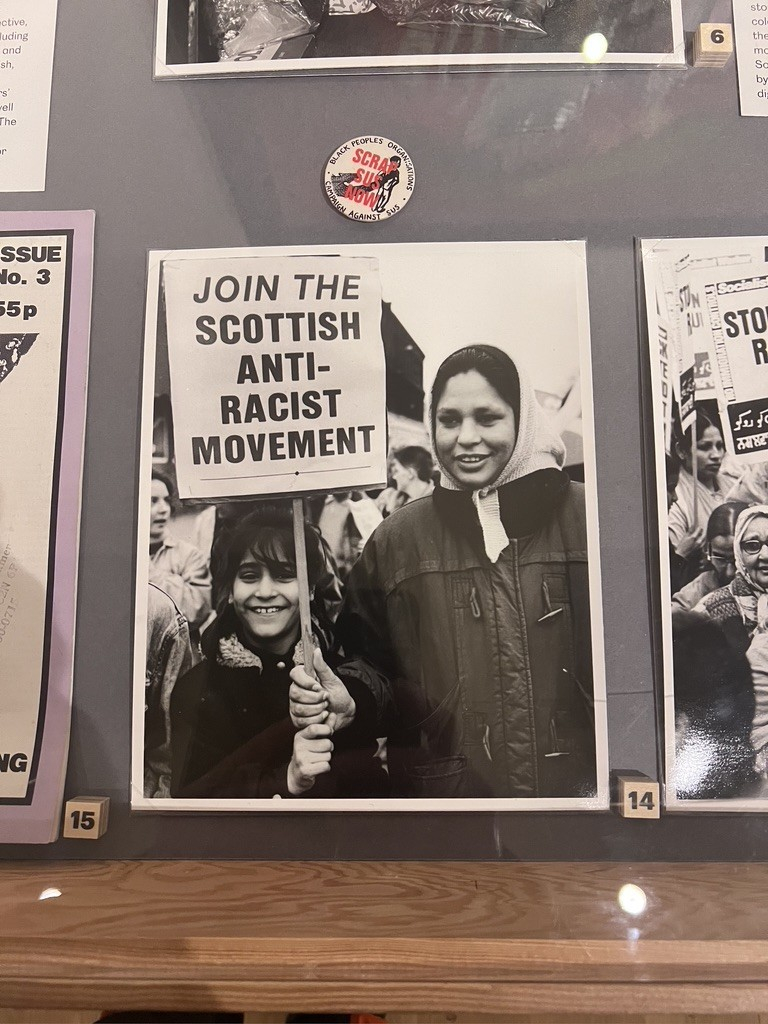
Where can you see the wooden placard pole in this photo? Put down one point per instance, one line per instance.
(302, 577)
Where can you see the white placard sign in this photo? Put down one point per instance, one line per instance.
(27, 36)
(277, 375)
(738, 318)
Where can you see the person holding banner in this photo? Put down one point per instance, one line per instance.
(686, 530)
(231, 734)
(474, 602)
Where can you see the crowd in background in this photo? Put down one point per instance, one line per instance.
(718, 558)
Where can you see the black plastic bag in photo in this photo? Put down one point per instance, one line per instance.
(241, 28)
(505, 15)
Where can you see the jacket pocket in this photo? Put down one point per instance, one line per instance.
(440, 778)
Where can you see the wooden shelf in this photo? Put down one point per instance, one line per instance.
(504, 938)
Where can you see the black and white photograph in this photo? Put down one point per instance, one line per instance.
(235, 37)
(707, 311)
(367, 567)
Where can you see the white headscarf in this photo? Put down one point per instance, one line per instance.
(537, 446)
(753, 605)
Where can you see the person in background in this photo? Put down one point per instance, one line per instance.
(739, 606)
(175, 566)
(411, 469)
(474, 602)
(741, 611)
(752, 486)
(686, 535)
(679, 570)
(231, 733)
(169, 656)
(346, 522)
(719, 551)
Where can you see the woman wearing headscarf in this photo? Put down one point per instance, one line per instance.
(742, 604)
(741, 611)
(474, 602)
(721, 565)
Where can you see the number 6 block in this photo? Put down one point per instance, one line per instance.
(712, 45)
(635, 795)
(86, 817)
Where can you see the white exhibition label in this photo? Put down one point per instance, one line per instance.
(27, 36)
(750, 34)
(32, 305)
(277, 374)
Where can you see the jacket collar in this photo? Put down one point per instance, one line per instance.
(526, 505)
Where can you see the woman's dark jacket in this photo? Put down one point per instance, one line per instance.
(490, 664)
(231, 735)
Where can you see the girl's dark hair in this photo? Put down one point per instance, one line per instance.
(414, 457)
(495, 365)
(723, 520)
(164, 478)
(268, 535)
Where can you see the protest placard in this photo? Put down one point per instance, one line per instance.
(277, 375)
(738, 313)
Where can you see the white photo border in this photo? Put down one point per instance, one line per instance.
(601, 800)
(404, 63)
(652, 249)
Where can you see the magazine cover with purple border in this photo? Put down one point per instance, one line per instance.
(46, 262)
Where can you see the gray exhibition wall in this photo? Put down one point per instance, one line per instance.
(605, 155)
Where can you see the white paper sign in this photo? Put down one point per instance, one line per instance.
(738, 318)
(27, 35)
(277, 375)
(750, 34)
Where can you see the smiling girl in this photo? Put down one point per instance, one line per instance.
(231, 734)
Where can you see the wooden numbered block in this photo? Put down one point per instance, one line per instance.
(86, 817)
(635, 795)
(712, 45)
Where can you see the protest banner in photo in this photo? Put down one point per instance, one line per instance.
(713, 664)
(692, 304)
(738, 315)
(313, 373)
(45, 296)
(277, 375)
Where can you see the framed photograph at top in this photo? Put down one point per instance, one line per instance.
(706, 301)
(236, 37)
(418, 419)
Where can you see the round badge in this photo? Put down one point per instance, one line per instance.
(369, 178)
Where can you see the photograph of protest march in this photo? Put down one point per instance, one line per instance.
(367, 547)
(707, 309)
(235, 37)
